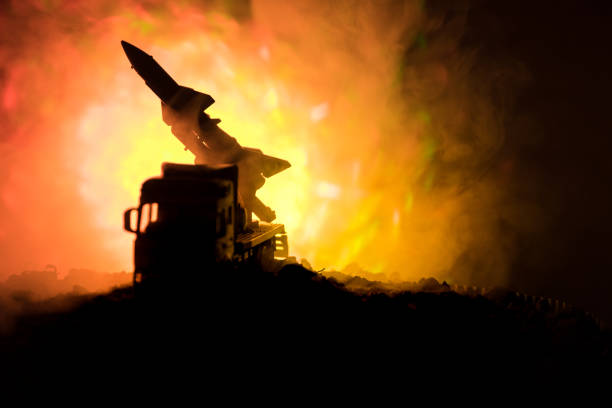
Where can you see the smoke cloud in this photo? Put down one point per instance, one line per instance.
(413, 150)
(393, 127)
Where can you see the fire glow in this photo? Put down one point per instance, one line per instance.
(321, 86)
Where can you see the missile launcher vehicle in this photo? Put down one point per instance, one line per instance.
(198, 217)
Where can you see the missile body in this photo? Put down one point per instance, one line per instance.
(183, 109)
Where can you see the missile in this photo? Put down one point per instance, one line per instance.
(183, 109)
(158, 80)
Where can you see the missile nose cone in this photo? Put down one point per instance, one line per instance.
(153, 74)
(127, 47)
(134, 54)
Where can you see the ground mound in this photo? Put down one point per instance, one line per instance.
(297, 317)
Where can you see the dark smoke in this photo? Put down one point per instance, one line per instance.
(553, 167)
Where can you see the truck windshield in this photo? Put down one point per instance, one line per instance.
(148, 215)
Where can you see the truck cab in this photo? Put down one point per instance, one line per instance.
(190, 222)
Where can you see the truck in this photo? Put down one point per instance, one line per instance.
(189, 222)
